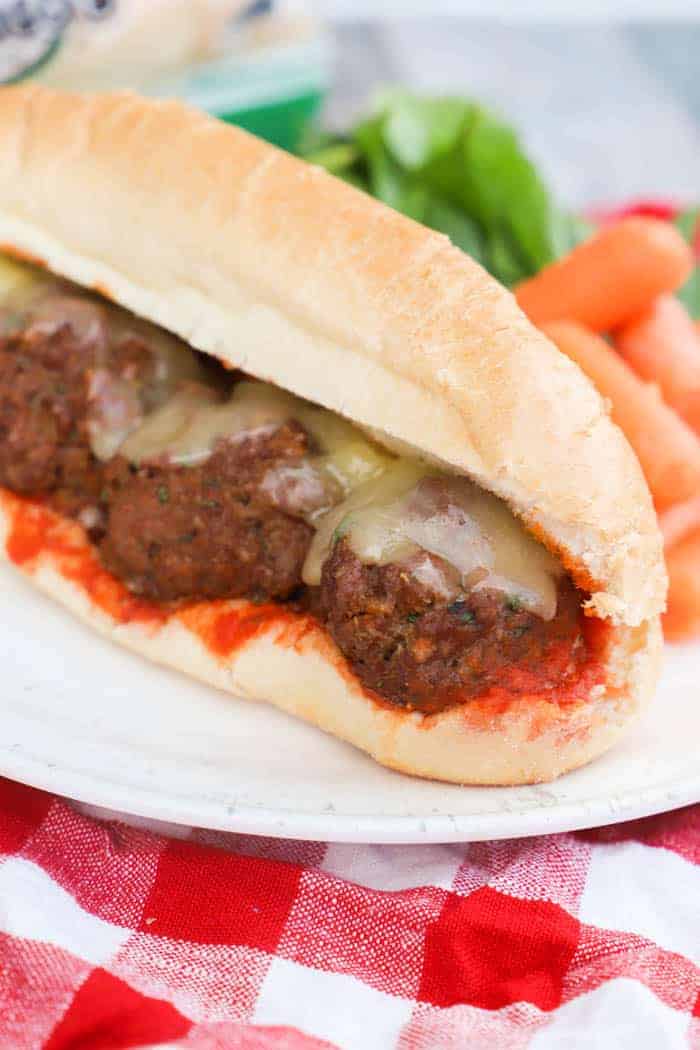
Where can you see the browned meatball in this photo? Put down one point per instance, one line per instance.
(207, 531)
(54, 376)
(44, 446)
(415, 647)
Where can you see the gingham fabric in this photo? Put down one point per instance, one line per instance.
(114, 937)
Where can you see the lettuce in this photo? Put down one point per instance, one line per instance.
(689, 294)
(452, 165)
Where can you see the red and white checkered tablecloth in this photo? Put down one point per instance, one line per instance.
(115, 937)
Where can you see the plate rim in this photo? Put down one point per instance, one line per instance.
(31, 753)
(145, 802)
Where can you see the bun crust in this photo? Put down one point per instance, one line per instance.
(276, 268)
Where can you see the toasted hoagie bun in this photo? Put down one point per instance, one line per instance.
(278, 270)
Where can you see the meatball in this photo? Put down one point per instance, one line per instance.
(411, 644)
(44, 446)
(208, 531)
(48, 373)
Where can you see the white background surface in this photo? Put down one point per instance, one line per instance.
(608, 111)
(514, 10)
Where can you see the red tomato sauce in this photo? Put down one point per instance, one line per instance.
(35, 532)
(224, 627)
(533, 681)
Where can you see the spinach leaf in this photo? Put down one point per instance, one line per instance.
(451, 164)
(504, 189)
(462, 231)
(335, 157)
(568, 230)
(689, 294)
(503, 259)
(687, 222)
(387, 179)
(417, 130)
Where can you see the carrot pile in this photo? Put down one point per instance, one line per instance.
(609, 306)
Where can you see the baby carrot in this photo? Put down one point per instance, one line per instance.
(667, 449)
(611, 277)
(662, 345)
(680, 520)
(682, 618)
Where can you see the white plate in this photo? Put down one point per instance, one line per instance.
(93, 722)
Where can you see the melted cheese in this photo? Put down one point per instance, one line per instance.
(117, 404)
(342, 451)
(188, 427)
(19, 285)
(412, 510)
(382, 491)
(165, 429)
(14, 275)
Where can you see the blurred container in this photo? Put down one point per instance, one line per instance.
(262, 65)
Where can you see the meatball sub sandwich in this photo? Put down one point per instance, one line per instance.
(260, 428)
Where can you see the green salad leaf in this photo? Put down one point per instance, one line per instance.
(687, 222)
(462, 231)
(453, 165)
(503, 189)
(689, 294)
(418, 130)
